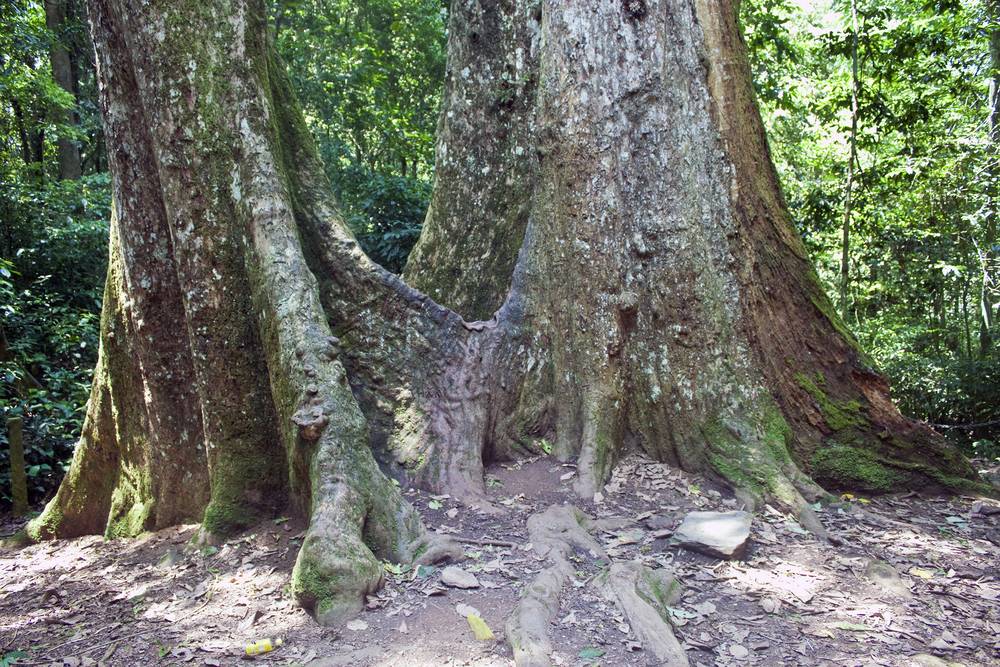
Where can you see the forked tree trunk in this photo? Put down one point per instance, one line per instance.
(618, 147)
(253, 357)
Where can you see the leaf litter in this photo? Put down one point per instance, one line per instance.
(794, 601)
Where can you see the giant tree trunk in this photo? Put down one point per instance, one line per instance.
(671, 303)
(650, 291)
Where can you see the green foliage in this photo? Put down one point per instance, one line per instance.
(947, 390)
(53, 241)
(920, 251)
(369, 76)
(52, 246)
(8, 659)
(986, 450)
(52, 263)
(29, 95)
(385, 212)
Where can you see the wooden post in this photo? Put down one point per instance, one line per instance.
(18, 479)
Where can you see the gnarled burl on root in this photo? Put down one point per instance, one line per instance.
(609, 223)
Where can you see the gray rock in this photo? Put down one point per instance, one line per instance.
(659, 522)
(985, 508)
(456, 577)
(169, 559)
(885, 577)
(719, 534)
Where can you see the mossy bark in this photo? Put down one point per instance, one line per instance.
(658, 283)
(253, 359)
(220, 395)
(485, 163)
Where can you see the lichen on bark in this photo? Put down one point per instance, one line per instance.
(214, 334)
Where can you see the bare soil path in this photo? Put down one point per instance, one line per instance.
(910, 581)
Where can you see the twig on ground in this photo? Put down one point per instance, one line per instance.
(11, 641)
(487, 542)
(45, 658)
(73, 641)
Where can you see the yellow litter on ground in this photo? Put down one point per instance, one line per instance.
(479, 628)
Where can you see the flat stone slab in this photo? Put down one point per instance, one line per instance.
(456, 577)
(719, 534)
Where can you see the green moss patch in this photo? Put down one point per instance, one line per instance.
(839, 415)
(728, 457)
(659, 590)
(310, 587)
(755, 464)
(222, 518)
(46, 525)
(852, 468)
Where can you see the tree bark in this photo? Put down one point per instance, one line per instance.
(22, 131)
(218, 393)
(18, 478)
(671, 303)
(68, 151)
(485, 161)
(988, 253)
(852, 157)
(658, 296)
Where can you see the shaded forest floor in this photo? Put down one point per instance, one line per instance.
(793, 601)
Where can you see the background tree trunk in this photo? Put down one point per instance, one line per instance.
(852, 158)
(485, 162)
(253, 357)
(64, 74)
(988, 253)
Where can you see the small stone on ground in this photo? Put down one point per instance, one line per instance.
(719, 534)
(887, 578)
(456, 577)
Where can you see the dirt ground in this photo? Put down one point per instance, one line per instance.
(793, 601)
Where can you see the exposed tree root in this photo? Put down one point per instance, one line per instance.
(355, 524)
(527, 628)
(643, 595)
(555, 534)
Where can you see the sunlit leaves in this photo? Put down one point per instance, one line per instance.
(923, 175)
